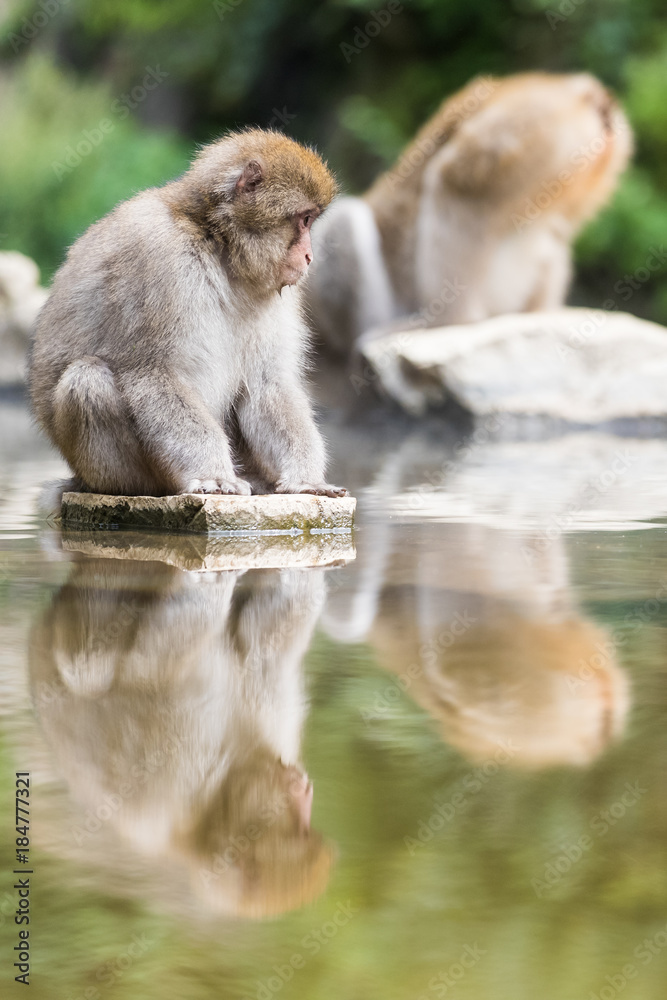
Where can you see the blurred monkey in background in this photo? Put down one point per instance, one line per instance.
(478, 216)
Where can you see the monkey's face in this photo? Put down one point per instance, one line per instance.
(281, 217)
(299, 253)
(276, 255)
(605, 145)
(263, 192)
(278, 862)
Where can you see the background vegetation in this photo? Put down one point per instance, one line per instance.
(312, 69)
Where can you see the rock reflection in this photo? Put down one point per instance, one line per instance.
(174, 704)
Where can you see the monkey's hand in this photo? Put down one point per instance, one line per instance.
(235, 487)
(318, 489)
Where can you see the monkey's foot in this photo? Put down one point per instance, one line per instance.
(319, 490)
(233, 487)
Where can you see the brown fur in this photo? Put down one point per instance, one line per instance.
(513, 680)
(252, 229)
(504, 173)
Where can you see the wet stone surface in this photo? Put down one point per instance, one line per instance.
(202, 514)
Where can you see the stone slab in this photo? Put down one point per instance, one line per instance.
(281, 514)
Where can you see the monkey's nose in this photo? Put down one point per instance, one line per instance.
(309, 258)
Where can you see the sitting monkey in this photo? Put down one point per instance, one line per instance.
(477, 217)
(166, 355)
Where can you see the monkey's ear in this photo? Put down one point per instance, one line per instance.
(250, 179)
(476, 164)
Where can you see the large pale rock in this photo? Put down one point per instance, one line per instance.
(281, 514)
(21, 298)
(202, 553)
(583, 366)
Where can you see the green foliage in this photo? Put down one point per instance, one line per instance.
(50, 193)
(645, 98)
(319, 72)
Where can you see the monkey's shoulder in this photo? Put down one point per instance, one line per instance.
(136, 257)
(142, 225)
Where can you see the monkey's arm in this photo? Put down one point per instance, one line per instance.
(172, 633)
(553, 279)
(276, 622)
(181, 438)
(277, 423)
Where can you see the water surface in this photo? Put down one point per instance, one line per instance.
(436, 770)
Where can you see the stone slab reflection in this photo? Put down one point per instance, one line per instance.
(210, 553)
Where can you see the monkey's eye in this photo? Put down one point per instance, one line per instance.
(307, 219)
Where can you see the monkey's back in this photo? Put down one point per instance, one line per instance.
(113, 296)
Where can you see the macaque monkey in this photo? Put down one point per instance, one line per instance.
(180, 698)
(477, 217)
(169, 357)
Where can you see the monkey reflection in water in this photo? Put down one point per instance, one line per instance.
(183, 698)
(480, 629)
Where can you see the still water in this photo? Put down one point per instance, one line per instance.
(434, 768)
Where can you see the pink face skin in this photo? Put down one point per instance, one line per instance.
(301, 795)
(300, 252)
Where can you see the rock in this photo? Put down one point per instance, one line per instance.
(21, 298)
(582, 366)
(278, 514)
(202, 553)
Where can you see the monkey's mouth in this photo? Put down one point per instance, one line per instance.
(300, 791)
(291, 276)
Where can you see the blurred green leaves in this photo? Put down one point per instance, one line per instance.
(646, 101)
(46, 201)
(235, 62)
